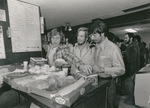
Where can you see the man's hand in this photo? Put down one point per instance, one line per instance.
(86, 68)
(97, 69)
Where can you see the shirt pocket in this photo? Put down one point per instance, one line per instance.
(105, 61)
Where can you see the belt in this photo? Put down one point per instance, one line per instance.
(108, 78)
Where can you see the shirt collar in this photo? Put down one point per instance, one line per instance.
(51, 46)
(86, 46)
(103, 44)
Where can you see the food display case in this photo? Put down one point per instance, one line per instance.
(68, 89)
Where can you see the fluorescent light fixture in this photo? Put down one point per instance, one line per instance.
(130, 30)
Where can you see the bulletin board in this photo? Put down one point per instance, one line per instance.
(24, 26)
(2, 47)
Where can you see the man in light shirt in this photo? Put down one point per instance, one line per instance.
(108, 61)
(82, 49)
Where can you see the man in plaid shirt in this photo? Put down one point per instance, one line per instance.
(64, 53)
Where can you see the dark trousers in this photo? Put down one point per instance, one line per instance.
(129, 88)
(111, 93)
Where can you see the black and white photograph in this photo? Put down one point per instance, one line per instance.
(74, 53)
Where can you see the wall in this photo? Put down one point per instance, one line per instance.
(139, 17)
(10, 56)
(145, 37)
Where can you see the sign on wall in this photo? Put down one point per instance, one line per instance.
(2, 48)
(2, 15)
(25, 26)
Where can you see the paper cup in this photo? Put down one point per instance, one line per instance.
(25, 65)
(66, 71)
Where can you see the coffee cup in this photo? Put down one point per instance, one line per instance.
(25, 65)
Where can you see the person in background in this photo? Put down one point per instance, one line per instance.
(145, 53)
(111, 36)
(142, 50)
(117, 41)
(132, 65)
(122, 45)
(119, 79)
(108, 62)
(44, 43)
(69, 45)
(82, 48)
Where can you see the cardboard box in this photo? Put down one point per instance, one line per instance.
(72, 95)
(14, 85)
(64, 96)
(43, 93)
(9, 77)
(93, 77)
(6, 80)
(37, 61)
(19, 87)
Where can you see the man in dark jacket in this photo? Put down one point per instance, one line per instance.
(132, 65)
(142, 50)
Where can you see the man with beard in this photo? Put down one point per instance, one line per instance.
(82, 49)
(132, 65)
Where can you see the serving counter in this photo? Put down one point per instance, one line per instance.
(95, 98)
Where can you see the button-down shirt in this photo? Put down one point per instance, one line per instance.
(109, 56)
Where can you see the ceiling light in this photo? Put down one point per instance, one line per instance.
(68, 26)
(130, 30)
(69, 29)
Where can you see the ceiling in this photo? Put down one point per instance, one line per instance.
(141, 30)
(77, 12)
(58, 12)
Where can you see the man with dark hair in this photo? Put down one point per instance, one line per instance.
(132, 65)
(108, 62)
(122, 45)
(141, 46)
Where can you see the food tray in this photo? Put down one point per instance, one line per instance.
(19, 87)
(69, 98)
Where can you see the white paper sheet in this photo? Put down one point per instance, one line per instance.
(2, 47)
(2, 15)
(24, 26)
